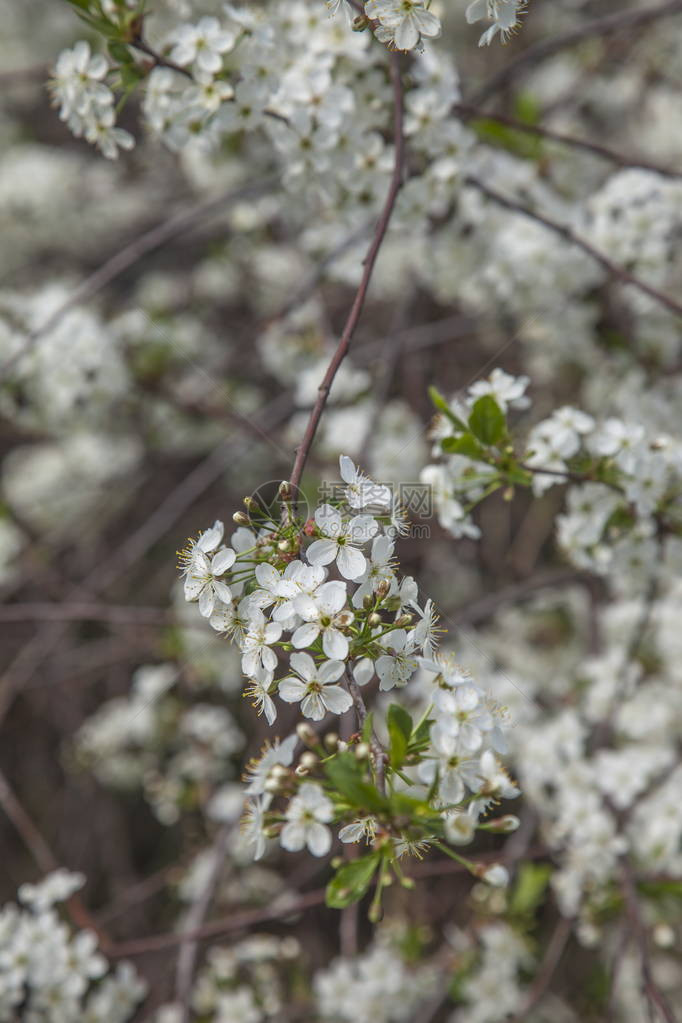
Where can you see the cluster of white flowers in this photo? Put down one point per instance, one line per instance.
(309, 638)
(623, 481)
(284, 86)
(492, 981)
(48, 972)
(85, 102)
(377, 987)
(245, 983)
(178, 751)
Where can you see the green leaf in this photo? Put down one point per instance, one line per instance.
(466, 444)
(367, 728)
(661, 889)
(487, 420)
(421, 737)
(351, 881)
(399, 731)
(119, 52)
(439, 402)
(83, 4)
(527, 108)
(346, 775)
(530, 888)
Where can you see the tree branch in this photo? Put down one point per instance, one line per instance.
(548, 47)
(652, 992)
(565, 232)
(195, 918)
(361, 294)
(468, 112)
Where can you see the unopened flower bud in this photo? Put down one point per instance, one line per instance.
(382, 589)
(362, 751)
(306, 734)
(663, 935)
(249, 502)
(360, 23)
(342, 746)
(302, 771)
(374, 619)
(279, 771)
(240, 518)
(284, 490)
(283, 546)
(273, 785)
(368, 601)
(495, 874)
(309, 760)
(331, 741)
(504, 824)
(403, 621)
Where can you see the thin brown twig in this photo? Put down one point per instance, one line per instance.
(361, 294)
(44, 858)
(187, 954)
(652, 992)
(131, 254)
(46, 612)
(550, 962)
(588, 30)
(244, 919)
(29, 659)
(467, 111)
(565, 232)
(225, 925)
(483, 609)
(159, 60)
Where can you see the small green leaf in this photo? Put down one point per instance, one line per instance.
(661, 889)
(346, 775)
(439, 402)
(421, 736)
(399, 718)
(530, 888)
(351, 881)
(466, 445)
(399, 731)
(527, 108)
(487, 421)
(119, 52)
(367, 728)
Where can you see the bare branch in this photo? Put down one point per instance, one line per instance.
(652, 992)
(361, 294)
(469, 112)
(565, 232)
(607, 25)
(130, 254)
(195, 918)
